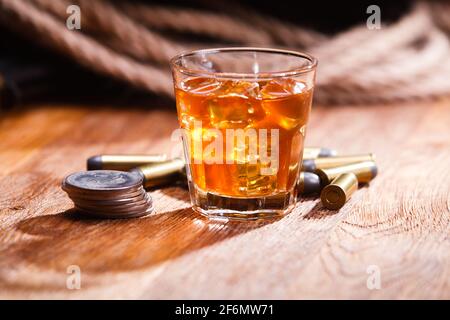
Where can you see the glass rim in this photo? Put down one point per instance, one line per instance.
(175, 65)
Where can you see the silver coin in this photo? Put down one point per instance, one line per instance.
(127, 210)
(115, 216)
(102, 180)
(110, 202)
(100, 193)
(144, 203)
(124, 194)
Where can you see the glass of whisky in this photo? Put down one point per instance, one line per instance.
(243, 114)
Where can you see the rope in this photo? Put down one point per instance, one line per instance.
(133, 42)
(82, 48)
(187, 20)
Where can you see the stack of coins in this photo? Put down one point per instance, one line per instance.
(108, 193)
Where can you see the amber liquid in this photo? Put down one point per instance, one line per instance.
(229, 104)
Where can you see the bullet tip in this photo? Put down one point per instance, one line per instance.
(94, 163)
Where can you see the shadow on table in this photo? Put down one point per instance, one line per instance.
(98, 246)
(319, 212)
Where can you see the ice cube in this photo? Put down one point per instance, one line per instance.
(251, 182)
(244, 89)
(286, 103)
(234, 111)
(195, 144)
(200, 85)
(192, 99)
(281, 88)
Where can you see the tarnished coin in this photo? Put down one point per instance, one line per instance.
(108, 193)
(103, 180)
(110, 202)
(138, 205)
(115, 216)
(142, 205)
(104, 195)
(101, 193)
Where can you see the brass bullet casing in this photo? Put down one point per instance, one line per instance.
(308, 183)
(312, 165)
(318, 152)
(337, 193)
(160, 173)
(364, 171)
(122, 162)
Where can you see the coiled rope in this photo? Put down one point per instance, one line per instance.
(409, 59)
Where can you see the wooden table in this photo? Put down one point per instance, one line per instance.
(395, 231)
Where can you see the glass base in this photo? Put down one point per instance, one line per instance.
(216, 206)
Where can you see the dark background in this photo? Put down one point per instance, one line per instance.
(33, 74)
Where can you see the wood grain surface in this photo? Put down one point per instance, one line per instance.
(399, 225)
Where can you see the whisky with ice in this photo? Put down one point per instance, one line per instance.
(243, 139)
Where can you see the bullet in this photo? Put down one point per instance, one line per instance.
(161, 173)
(308, 183)
(318, 152)
(364, 171)
(312, 165)
(337, 193)
(122, 162)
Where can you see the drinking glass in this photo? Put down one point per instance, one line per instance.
(243, 114)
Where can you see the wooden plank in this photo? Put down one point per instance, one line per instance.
(398, 225)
